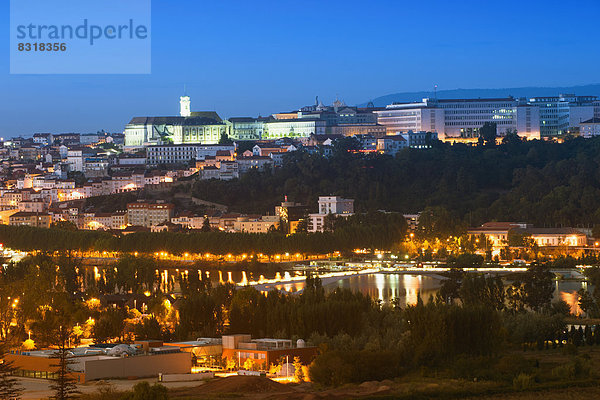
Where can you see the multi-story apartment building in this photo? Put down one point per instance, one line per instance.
(147, 214)
(38, 220)
(255, 225)
(334, 205)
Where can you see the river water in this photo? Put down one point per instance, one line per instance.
(382, 286)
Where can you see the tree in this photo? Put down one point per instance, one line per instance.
(63, 384)
(302, 226)
(511, 138)
(298, 372)
(249, 364)
(487, 134)
(587, 303)
(329, 222)
(538, 286)
(224, 139)
(450, 288)
(110, 325)
(9, 386)
(516, 297)
(478, 290)
(64, 225)
(206, 225)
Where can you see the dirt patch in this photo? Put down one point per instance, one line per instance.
(242, 384)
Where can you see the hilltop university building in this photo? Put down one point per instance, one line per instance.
(205, 127)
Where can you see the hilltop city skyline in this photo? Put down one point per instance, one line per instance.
(266, 59)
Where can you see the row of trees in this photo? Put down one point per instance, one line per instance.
(375, 230)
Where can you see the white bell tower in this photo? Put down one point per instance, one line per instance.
(185, 106)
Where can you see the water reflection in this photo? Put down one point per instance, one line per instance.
(567, 291)
(387, 287)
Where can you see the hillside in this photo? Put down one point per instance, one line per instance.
(589, 90)
(544, 183)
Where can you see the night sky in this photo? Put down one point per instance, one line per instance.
(245, 58)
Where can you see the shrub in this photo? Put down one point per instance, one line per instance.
(578, 368)
(523, 382)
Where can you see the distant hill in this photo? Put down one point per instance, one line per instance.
(585, 90)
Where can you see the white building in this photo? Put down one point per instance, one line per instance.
(245, 164)
(559, 114)
(590, 128)
(75, 160)
(334, 205)
(391, 144)
(204, 127)
(256, 225)
(461, 118)
(183, 153)
(300, 128)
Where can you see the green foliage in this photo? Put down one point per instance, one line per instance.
(438, 332)
(538, 286)
(148, 329)
(10, 389)
(145, 391)
(478, 290)
(576, 369)
(110, 325)
(64, 225)
(375, 230)
(225, 139)
(335, 368)
(63, 385)
(298, 372)
(542, 183)
(523, 382)
(533, 327)
(487, 134)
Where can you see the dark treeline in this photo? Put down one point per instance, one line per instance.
(374, 230)
(544, 183)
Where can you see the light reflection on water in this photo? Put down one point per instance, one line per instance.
(567, 291)
(405, 287)
(386, 287)
(380, 286)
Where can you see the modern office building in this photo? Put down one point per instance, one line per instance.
(560, 114)
(456, 119)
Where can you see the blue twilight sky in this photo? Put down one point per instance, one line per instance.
(245, 58)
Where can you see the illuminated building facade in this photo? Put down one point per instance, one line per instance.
(205, 127)
(560, 114)
(590, 128)
(461, 118)
(148, 214)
